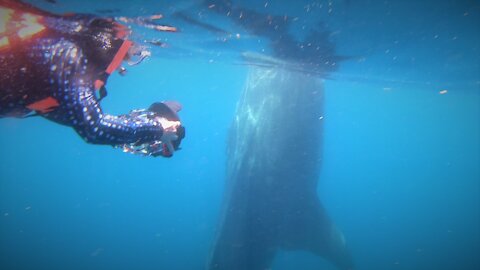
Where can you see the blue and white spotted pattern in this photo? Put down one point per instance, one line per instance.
(58, 68)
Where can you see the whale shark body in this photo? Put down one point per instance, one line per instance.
(273, 162)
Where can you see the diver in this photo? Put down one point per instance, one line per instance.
(56, 66)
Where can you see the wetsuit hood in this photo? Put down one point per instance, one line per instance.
(101, 39)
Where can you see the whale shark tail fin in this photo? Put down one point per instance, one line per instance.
(329, 242)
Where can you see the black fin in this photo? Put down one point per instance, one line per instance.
(167, 109)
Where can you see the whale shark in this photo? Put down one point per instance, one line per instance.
(273, 163)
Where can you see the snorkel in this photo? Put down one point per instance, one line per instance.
(137, 54)
(130, 52)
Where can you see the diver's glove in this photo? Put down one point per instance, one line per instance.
(164, 113)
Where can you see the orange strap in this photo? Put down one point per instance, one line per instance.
(44, 106)
(121, 30)
(98, 84)
(119, 56)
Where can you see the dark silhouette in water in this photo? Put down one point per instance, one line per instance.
(315, 54)
(185, 17)
(273, 162)
(274, 156)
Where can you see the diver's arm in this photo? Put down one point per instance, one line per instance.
(80, 109)
(98, 128)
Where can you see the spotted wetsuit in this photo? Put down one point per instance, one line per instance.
(54, 72)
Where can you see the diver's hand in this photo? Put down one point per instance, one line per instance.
(169, 136)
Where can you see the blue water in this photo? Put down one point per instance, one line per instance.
(400, 174)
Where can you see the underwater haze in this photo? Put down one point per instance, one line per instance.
(400, 167)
